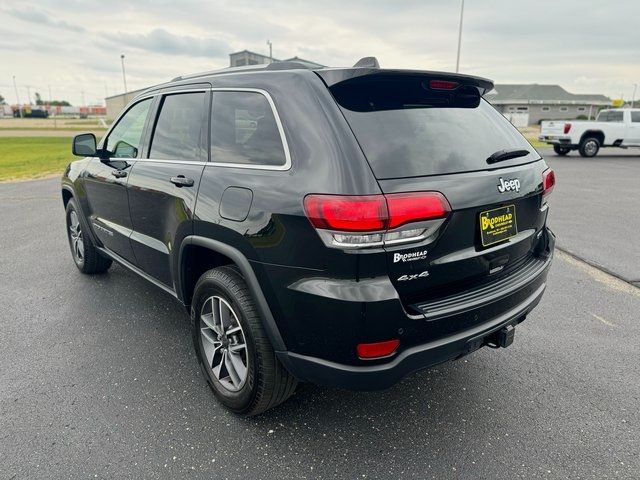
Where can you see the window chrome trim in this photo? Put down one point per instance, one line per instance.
(264, 93)
(276, 116)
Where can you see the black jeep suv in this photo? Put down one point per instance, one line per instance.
(343, 226)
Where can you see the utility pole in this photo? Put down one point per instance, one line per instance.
(459, 35)
(55, 119)
(28, 93)
(270, 51)
(633, 97)
(124, 79)
(15, 87)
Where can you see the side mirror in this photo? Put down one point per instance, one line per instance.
(125, 150)
(84, 145)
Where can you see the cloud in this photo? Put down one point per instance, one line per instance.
(41, 17)
(545, 41)
(164, 42)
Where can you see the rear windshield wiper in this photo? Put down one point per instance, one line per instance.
(502, 155)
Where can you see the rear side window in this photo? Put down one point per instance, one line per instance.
(178, 134)
(616, 117)
(407, 129)
(610, 116)
(244, 130)
(635, 117)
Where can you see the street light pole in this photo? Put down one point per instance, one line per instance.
(270, 51)
(15, 87)
(55, 119)
(633, 97)
(124, 79)
(459, 35)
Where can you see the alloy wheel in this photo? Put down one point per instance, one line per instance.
(75, 235)
(224, 344)
(590, 147)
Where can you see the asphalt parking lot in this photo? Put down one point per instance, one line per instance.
(99, 378)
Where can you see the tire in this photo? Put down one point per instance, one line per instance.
(83, 251)
(562, 151)
(589, 147)
(259, 382)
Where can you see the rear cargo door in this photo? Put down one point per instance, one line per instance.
(552, 128)
(420, 135)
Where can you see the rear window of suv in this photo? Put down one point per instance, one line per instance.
(406, 129)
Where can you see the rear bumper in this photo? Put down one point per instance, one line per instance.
(556, 140)
(378, 377)
(521, 301)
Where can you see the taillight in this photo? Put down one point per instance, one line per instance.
(368, 221)
(347, 214)
(370, 351)
(412, 207)
(548, 182)
(567, 127)
(443, 84)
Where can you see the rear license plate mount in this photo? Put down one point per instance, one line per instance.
(497, 225)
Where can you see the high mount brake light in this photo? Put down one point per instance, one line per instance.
(345, 221)
(567, 128)
(443, 85)
(548, 182)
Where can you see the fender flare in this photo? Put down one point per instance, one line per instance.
(249, 275)
(83, 217)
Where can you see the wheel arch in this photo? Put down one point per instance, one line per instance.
(67, 194)
(215, 254)
(598, 134)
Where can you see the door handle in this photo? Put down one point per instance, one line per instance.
(182, 181)
(119, 173)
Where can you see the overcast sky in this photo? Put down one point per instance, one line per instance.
(74, 45)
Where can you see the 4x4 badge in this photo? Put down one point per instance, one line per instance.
(414, 276)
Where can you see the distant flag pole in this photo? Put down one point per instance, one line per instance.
(459, 36)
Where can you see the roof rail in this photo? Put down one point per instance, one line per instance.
(287, 66)
(367, 62)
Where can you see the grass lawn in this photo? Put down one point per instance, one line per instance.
(535, 143)
(31, 157)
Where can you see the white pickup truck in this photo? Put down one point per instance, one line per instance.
(612, 128)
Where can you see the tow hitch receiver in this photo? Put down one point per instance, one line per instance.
(502, 338)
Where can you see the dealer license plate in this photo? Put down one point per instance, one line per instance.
(497, 225)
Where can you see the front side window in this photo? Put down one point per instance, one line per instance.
(244, 130)
(179, 128)
(125, 138)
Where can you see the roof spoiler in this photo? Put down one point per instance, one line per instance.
(334, 76)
